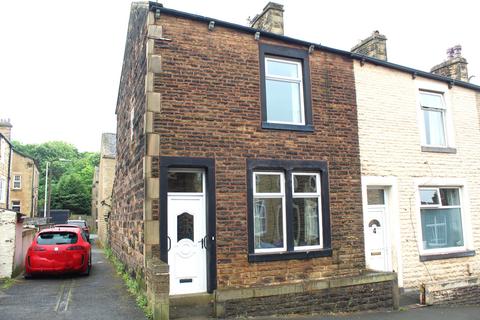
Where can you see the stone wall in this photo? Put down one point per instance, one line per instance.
(8, 224)
(106, 174)
(208, 91)
(459, 292)
(4, 170)
(126, 221)
(337, 295)
(390, 146)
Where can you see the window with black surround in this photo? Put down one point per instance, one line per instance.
(288, 206)
(285, 87)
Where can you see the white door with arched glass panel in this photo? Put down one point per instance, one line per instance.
(375, 228)
(187, 232)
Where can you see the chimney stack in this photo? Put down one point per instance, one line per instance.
(270, 20)
(6, 128)
(454, 67)
(374, 46)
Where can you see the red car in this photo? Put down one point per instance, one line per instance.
(59, 250)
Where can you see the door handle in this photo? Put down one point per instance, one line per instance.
(169, 246)
(203, 241)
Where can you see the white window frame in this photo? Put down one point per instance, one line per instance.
(443, 110)
(298, 80)
(19, 181)
(273, 195)
(3, 147)
(312, 195)
(15, 205)
(3, 190)
(463, 216)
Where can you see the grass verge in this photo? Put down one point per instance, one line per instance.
(6, 283)
(133, 285)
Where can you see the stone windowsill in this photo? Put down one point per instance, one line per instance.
(460, 254)
(439, 149)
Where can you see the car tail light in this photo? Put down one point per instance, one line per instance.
(37, 248)
(75, 248)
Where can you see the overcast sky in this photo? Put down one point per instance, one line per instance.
(60, 61)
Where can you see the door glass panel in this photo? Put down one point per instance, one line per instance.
(184, 226)
(185, 182)
(267, 183)
(375, 197)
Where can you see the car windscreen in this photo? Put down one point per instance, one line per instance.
(60, 237)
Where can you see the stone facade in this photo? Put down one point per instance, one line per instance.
(5, 170)
(191, 91)
(106, 174)
(392, 156)
(464, 291)
(126, 222)
(24, 192)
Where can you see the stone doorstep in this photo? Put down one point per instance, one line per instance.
(192, 306)
(223, 295)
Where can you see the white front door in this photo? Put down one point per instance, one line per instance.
(187, 255)
(376, 247)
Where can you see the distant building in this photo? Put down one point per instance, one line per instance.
(95, 202)
(106, 173)
(24, 184)
(5, 162)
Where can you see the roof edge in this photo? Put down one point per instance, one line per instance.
(154, 6)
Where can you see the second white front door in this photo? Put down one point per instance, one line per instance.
(376, 248)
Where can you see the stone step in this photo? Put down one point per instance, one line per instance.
(198, 306)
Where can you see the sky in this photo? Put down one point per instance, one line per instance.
(60, 61)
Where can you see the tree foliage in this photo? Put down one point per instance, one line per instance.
(70, 173)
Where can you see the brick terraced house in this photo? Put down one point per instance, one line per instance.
(419, 138)
(238, 165)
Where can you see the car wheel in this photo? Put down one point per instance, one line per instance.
(27, 276)
(87, 272)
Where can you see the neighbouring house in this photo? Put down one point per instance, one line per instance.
(106, 173)
(238, 165)
(5, 162)
(419, 136)
(94, 210)
(24, 184)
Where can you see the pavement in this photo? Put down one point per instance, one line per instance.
(102, 295)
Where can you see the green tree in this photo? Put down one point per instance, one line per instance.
(70, 172)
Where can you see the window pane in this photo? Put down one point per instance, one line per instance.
(305, 222)
(283, 69)
(431, 100)
(429, 196)
(185, 182)
(375, 196)
(267, 183)
(268, 223)
(304, 183)
(450, 197)
(434, 127)
(57, 238)
(441, 228)
(283, 101)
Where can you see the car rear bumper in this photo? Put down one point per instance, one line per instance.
(35, 264)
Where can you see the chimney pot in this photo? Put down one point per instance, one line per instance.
(454, 67)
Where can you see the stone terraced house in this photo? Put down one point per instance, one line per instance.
(238, 165)
(419, 139)
(5, 163)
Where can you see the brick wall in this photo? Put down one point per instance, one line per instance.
(390, 141)
(126, 221)
(210, 107)
(459, 292)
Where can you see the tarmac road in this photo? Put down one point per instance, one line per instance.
(102, 295)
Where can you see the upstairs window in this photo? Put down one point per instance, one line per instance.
(17, 182)
(284, 91)
(16, 206)
(285, 88)
(434, 116)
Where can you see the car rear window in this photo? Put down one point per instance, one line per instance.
(77, 223)
(57, 238)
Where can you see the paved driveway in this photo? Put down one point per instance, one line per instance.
(102, 295)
